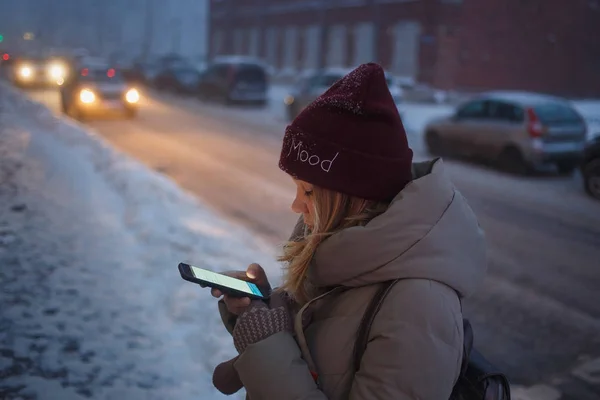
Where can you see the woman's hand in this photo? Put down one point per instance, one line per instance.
(255, 274)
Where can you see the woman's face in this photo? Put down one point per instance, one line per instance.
(303, 203)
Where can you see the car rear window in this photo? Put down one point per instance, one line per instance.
(100, 75)
(553, 113)
(186, 73)
(177, 64)
(34, 59)
(251, 73)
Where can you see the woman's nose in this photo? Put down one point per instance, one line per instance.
(298, 206)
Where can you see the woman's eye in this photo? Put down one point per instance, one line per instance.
(308, 192)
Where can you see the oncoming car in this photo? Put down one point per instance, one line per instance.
(98, 89)
(43, 72)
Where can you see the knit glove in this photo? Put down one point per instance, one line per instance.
(225, 377)
(259, 322)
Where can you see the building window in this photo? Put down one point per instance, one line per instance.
(336, 48)
(364, 41)
(271, 46)
(253, 35)
(290, 47)
(217, 42)
(238, 41)
(312, 46)
(405, 53)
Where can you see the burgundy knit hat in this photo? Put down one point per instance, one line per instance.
(351, 139)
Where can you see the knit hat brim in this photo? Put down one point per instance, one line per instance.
(341, 169)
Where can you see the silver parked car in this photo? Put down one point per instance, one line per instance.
(518, 130)
(310, 85)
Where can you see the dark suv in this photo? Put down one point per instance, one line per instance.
(234, 80)
(590, 167)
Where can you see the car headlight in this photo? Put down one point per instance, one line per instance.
(132, 96)
(87, 96)
(26, 71)
(57, 71)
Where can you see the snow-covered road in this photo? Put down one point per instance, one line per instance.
(92, 302)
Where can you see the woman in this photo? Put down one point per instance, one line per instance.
(369, 215)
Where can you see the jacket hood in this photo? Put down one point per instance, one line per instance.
(428, 232)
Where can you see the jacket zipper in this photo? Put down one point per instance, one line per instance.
(299, 330)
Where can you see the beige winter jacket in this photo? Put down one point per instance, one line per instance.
(429, 235)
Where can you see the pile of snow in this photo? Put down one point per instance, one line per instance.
(152, 335)
(416, 116)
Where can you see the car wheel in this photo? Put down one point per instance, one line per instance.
(566, 167)
(435, 144)
(511, 160)
(591, 178)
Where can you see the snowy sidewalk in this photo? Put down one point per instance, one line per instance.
(92, 303)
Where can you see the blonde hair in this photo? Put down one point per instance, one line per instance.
(333, 211)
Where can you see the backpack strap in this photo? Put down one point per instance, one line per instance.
(478, 378)
(467, 345)
(362, 338)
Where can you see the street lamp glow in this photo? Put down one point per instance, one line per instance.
(288, 100)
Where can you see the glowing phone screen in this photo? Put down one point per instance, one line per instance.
(227, 281)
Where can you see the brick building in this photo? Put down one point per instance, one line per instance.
(542, 45)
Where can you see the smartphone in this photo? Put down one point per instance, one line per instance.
(227, 285)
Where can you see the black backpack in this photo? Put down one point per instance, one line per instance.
(478, 380)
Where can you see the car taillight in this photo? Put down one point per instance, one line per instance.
(111, 73)
(6, 56)
(535, 128)
(84, 72)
